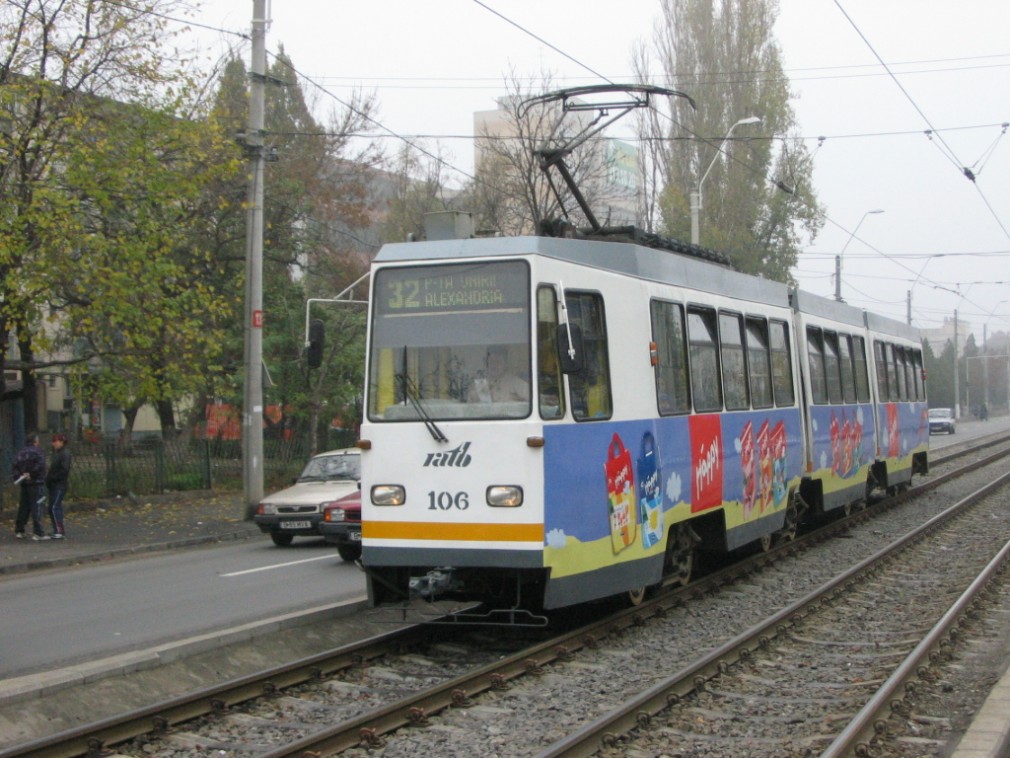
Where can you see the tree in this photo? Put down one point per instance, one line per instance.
(63, 63)
(316, 207)
(939, 375)
(757, 200)
(416, 188)
(511, 194)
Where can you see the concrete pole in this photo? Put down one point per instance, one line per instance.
(695, 208)
(252, 405)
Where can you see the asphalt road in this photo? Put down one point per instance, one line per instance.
(60, 616)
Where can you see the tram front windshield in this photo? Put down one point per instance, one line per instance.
(450, 342)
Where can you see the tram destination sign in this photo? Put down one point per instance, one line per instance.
(455, 287)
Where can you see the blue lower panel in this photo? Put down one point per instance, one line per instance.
(603, 582)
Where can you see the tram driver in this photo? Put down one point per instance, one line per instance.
(498, 382)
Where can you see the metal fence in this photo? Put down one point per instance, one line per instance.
(155, 466)
(105, 469)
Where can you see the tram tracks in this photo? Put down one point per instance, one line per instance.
(851, 653)
(497, 687)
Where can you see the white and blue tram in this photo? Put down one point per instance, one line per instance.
(550, 421)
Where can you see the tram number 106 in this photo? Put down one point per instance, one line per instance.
(443, 501)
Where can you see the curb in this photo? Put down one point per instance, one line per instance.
(100, 554)
(36, 686)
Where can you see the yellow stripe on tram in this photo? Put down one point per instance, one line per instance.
(417, 530)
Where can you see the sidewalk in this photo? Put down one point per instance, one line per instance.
(126, 526)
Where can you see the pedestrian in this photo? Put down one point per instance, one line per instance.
(30, 474)
(57, 480)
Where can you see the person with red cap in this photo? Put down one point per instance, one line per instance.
(57, 480)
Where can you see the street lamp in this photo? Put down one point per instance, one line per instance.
(838, 258)
(696, 196)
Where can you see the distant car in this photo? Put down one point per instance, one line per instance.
(341, 525)
(298, 510)
(942, 420)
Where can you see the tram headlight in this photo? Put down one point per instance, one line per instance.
(504, 496)
(388, 494)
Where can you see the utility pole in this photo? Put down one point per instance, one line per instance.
(252, 403)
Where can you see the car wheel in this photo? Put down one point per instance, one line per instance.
(349, 552)
(280, 539)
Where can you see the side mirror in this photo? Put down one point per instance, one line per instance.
(570, 355)
(314, 352)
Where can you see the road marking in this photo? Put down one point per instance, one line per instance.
(281, 565)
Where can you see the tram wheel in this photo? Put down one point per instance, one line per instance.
(791, 524)
(679, 562)
(636, 596)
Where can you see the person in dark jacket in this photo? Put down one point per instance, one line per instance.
(56, 482)
(30, 474)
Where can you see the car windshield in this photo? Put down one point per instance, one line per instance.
(325, 468)
(939, 413)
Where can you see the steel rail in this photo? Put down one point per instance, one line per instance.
(869, 721)
(367, 728)
(638, 711)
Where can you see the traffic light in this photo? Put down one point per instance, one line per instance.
(314, 353)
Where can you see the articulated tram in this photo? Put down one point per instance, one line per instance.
(550, 421)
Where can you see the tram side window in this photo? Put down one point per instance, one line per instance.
(670, 335)
(551, 399)
(734, 364)
(899, 367)
(859, 368)
(758, 362)
(590, 388)
(815, 359)
(920, 390)
(879, 356)
(892, 373)
(845, 364)
(782, 364)
(912, 374)
(705, 384)
(831, 369)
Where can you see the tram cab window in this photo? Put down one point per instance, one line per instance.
(782, 364)
(500, 378)
(859, 369)
(551, 400)
(758, 362)
(669, 333)
(734, 363)
(590, 388)
(431, 330)
(706, 386)
(815, 359)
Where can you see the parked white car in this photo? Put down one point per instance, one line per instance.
(298, 510)
(942, 420)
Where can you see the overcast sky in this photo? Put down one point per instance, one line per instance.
(942, 237)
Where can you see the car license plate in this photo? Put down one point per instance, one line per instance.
(296, 525)
(355, 536)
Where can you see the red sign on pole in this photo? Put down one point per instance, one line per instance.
(257, 319)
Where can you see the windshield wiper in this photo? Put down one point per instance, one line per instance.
(410, 391)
